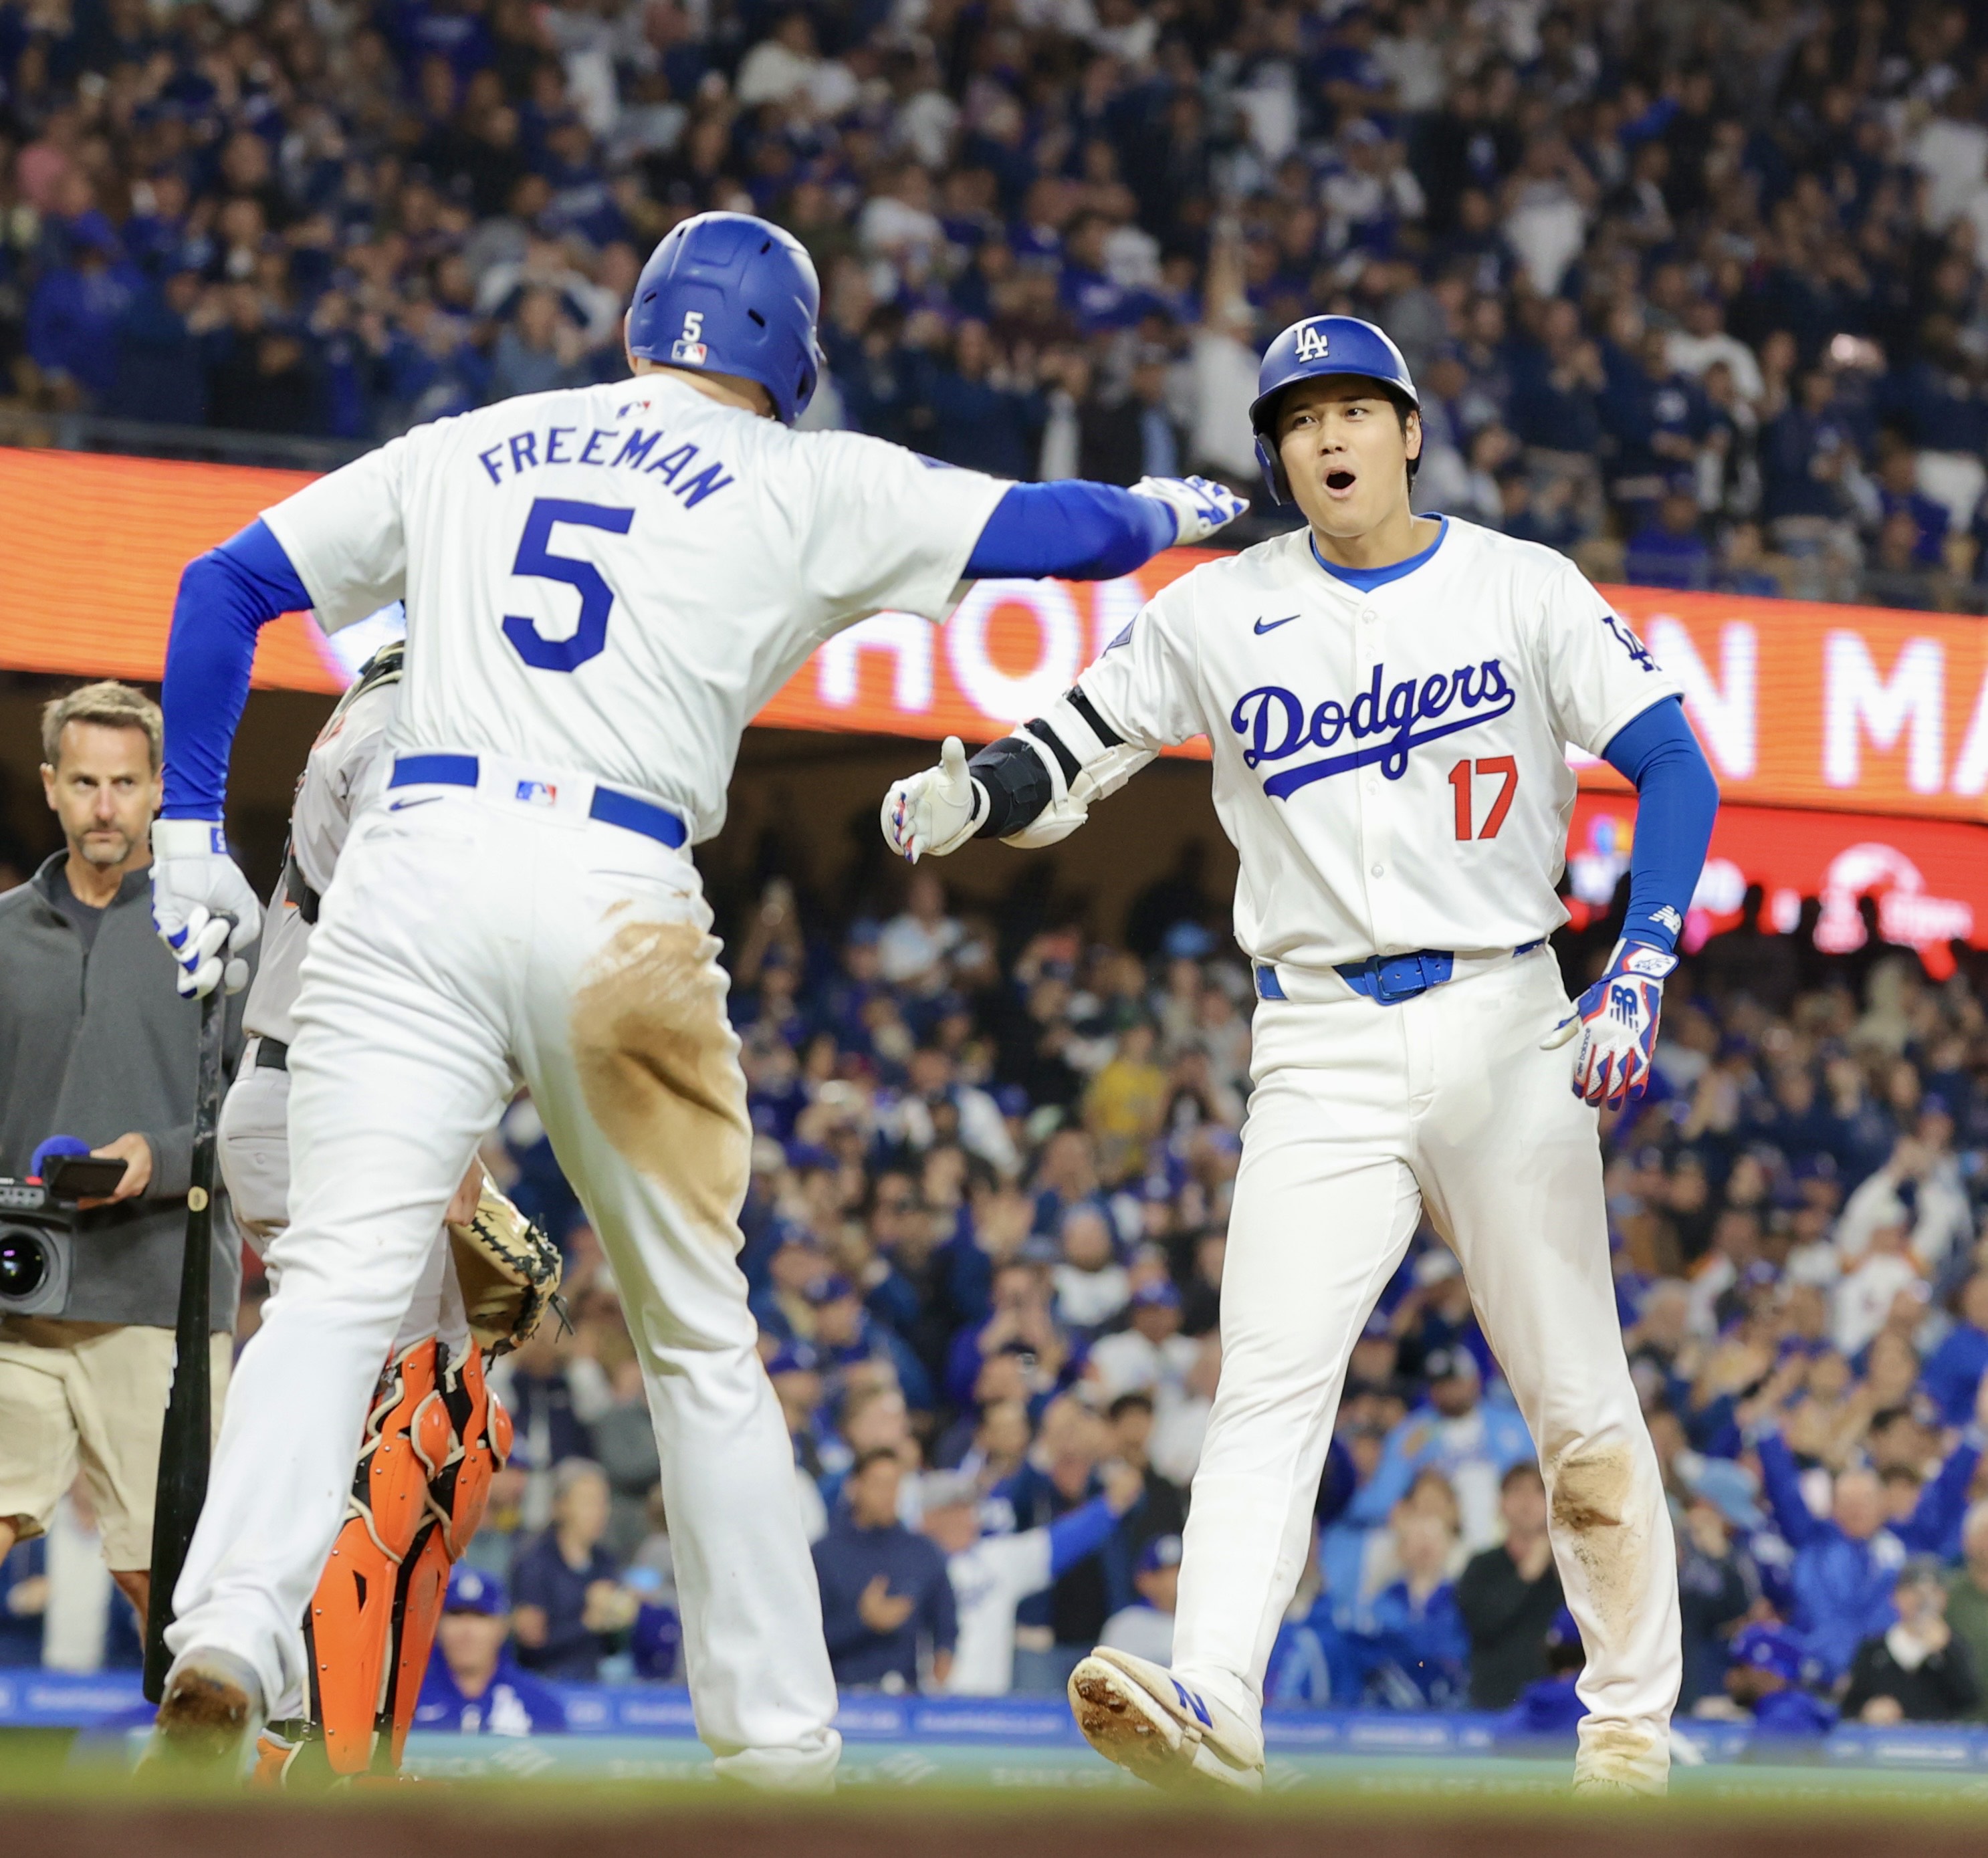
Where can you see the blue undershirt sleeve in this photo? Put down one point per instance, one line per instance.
(1079, 530)
(1677, 799)
(226, 597)
(1081, 1531)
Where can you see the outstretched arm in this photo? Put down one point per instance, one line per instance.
(1036, 786)
(1081, 531)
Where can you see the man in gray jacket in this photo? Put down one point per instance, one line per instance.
(96, 1043)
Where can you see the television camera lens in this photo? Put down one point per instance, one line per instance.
(23, 1264)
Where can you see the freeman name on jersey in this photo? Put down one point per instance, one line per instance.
(523, 452)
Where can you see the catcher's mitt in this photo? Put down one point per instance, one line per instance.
(508, 1271)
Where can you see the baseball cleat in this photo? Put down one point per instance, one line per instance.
(1140, 1716)
(211, 1710)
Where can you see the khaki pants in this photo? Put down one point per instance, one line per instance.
(89, 1396)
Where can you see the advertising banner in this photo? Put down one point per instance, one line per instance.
(1808, 712)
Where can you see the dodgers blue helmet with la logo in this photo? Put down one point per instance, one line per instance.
(729, 294)
(1315, 347)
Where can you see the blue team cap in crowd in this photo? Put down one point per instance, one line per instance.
(795, 1356)
(1564, 1631)
(1012, 1100)
(803, 1156)
(471, 1590)
(1161, 1551)
(1768, 1648)
(865, 932)
(1157, 1294)
(830, 1289)
(1187, 942)
(1447, 1363)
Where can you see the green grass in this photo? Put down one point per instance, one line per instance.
(635, 1780)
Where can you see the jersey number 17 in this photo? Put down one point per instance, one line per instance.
(1501, 804)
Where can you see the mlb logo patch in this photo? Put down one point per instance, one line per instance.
(1311, 344)
(691, 352)
(538, 793)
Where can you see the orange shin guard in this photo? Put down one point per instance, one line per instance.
(479, 1444)
(348, 1632)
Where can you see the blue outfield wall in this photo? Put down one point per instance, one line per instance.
(32, 1699)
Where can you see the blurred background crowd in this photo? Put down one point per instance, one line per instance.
(1693, 290)
(992, 1173)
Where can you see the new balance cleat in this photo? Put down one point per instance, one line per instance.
(1140, 1716)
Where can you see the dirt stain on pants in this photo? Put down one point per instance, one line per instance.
(1591, 1489)
(658, 1064)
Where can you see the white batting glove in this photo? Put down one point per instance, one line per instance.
(201, 904)
(934, 813)
(1200, 506)
(1616, 1019)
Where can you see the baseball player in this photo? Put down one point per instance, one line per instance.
(602, 585)
(1388, 698)
(434, 1435)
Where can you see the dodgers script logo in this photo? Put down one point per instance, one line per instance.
(1311, 344)
(1276, 725)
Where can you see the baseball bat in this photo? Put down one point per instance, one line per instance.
(188, 1439)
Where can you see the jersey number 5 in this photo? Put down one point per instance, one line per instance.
(597, 598)
(1459, 780)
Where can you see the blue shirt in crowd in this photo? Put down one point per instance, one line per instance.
(512, 1703)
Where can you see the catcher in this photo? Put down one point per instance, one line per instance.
(435, 1436)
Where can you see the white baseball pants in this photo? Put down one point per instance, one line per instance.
(252, 1147)
(470, 936)
(1363, 1114)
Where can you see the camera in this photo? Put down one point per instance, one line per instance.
(36, 1238)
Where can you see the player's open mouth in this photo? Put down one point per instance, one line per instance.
(1340, 481)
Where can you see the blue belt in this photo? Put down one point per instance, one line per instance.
(1387, 979)
(609, 806)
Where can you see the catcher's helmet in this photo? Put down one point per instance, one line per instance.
(733, 295)
(1317, 345)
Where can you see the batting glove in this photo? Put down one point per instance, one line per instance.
(201, 904)
(1200, 506)
(935, 812)
(1616, 1019)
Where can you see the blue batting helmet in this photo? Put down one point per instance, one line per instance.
(1314, 346)
(732, 294)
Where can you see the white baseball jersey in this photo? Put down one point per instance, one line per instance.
(1390, 760)
(346, 768)
(989, 1581)
(614, 580)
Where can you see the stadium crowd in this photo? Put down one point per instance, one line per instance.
(1695, 290)
(985, 1232)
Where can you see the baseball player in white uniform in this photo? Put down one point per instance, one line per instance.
(603, 587)
(1389, 699)
(435, 1435)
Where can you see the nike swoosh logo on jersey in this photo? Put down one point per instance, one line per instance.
(1264, 626)
(402, 806)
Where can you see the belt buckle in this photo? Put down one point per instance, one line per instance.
(1387, 991)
